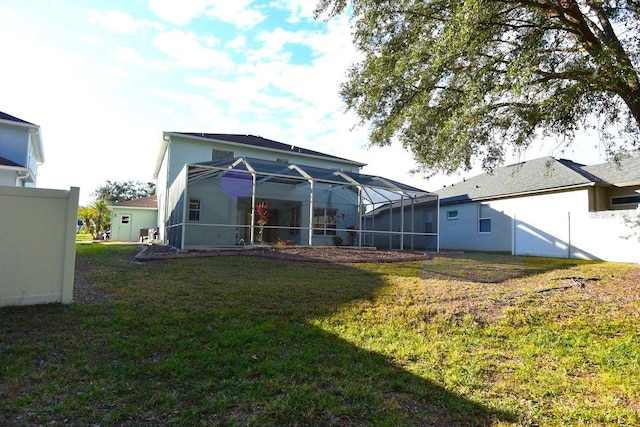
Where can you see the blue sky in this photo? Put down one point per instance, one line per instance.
(104, 79)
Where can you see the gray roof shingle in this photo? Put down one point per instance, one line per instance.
(7, 162)
(10, 118)
(623, 173)
(533, 176)
(150, 202)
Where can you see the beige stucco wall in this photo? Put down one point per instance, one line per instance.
(38, 229)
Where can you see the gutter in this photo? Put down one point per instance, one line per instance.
(20, 170)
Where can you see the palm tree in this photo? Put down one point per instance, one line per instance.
(85, 213)
(101, 217)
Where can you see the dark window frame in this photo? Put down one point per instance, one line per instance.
(194, 210)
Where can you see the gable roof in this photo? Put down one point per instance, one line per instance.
(253, 141)
(10, 118)
(7, 162)
(532, 176)
(624, 173)
(150, 202)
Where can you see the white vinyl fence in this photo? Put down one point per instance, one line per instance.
(37, 245)
(608, 236)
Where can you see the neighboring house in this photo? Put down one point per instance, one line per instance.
(213, 188)
(37, 225)
(547, 207)
(20, 151)
(132, 219)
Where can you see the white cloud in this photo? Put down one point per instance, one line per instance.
(237, 43)
(129, 55)
(236, 12)
(210, 40)
(120, 22)
(299, 9)
(186, 50)
(92, 40)
(201, 113)
(177, 12)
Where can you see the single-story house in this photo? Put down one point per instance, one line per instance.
(222, 190)
(134, 220)
(547, 207)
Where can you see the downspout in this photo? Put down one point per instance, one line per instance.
(401, 221)
(390, 223)
(413, 219)
(21, 178)
(311, 213)
(253, 208)
(438, 229)
(185, 208)
(359, 216)
(166, 193)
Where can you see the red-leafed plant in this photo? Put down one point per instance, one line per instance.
(262, 212)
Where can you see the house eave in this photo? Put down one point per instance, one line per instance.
(161, 153)
(18, 170)
(139, 208)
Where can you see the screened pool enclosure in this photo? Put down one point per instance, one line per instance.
(248, 202)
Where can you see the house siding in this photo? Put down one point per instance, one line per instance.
(139, 218)
(8, 177)
(14, 144)
(551, 225)
(463, 233)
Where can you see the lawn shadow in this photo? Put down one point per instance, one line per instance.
(491, 268)
(220, 341)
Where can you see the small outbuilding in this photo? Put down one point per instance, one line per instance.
(134, 220)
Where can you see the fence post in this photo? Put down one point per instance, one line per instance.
(69, 250)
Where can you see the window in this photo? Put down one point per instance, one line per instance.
(278, 160)
(484, 219)
(452, 215)
(625, 200)
(217, 155)
(324, 221)
(125, 219)
(194, 210)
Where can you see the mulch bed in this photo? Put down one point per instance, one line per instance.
(308, 254)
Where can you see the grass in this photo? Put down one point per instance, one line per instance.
(479, 339)
(83, 238)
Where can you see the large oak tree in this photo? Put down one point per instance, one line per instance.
(456, 80)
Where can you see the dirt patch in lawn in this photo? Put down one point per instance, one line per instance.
(309, 254)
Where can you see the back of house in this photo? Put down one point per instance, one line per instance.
(547, 207)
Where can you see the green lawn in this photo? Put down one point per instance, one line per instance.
(458, 340)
